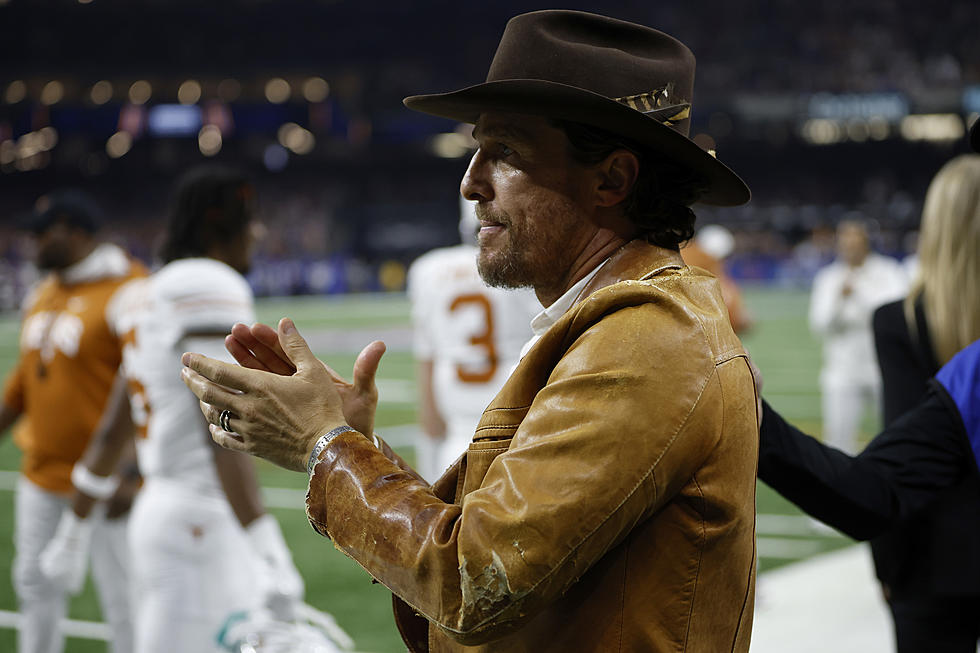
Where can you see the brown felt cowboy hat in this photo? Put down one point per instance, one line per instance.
(625, 78)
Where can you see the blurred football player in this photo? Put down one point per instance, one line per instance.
(845, 295)
(202, 545)
(468, 338)
(709, 248)
(69, 356)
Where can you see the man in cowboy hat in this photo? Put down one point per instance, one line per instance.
(607, 500)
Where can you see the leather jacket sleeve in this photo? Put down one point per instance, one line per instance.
(623, 421)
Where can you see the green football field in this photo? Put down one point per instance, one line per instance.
(336, 328)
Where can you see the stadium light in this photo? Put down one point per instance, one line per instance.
(316, 89)
(295, 138)
(451, 145)
(101, 92)
(48, 138)
(878, 129)
(16, 91)
(857, 131)
(933, 127)
(189, 92)
(8, 152)
(118, 144)
(822, 131)
(209, 140)
(277, 90)
(52, 93)
(140, 92)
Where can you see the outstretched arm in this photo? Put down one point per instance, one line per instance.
(12, 404)
(904, 468)
(111, 443)
(8, 415)
(65, 557)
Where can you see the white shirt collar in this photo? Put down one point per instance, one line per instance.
(547, 318)
(105, 261)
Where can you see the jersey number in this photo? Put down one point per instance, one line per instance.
(482, 340)
(138, 403)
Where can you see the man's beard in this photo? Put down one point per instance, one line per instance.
(52, 259)
(531, 256)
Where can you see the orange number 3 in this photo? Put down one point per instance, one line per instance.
(483, 340)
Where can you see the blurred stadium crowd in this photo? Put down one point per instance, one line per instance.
(860, 103)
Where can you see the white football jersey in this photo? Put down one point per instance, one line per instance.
(472, 333)
(154, 316)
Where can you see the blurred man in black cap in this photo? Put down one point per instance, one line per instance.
(68, 362)
(607, 500)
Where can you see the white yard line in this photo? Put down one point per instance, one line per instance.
(830, 602)
(69, 627)
(770, 524)
(784, 548)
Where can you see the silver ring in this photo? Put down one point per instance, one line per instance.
(223, 420)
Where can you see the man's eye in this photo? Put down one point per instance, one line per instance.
(504, 150)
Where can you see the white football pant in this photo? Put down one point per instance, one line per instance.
(192, 567)
(844, 405)
(43, 604)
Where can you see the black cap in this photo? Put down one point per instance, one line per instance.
(975, 135)
(74, 207)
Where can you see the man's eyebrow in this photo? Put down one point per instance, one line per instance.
(502, 131)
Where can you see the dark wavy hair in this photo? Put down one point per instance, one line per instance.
(210, 204)
(660, 201)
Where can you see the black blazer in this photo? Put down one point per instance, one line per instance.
(915, 486)
(937, 551)
(907, 466)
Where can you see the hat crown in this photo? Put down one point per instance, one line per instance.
(609, 57)
(627, 79)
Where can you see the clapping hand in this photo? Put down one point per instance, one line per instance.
(281, 398)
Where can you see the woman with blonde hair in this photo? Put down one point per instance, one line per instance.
(929, 565)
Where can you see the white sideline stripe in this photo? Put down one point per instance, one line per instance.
(786, 548)
(769, 524)
(70, 627)
(829, 602)
(397, 391)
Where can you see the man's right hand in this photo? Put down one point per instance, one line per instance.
(65, 558)
(258, 347)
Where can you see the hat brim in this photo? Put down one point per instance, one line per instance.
(561, 101)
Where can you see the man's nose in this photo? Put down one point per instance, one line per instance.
(476, 185)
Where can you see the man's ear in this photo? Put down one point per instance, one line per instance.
(617, 175)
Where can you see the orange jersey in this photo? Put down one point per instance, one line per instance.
(69, 356)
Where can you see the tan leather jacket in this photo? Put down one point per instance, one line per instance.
(607, 502)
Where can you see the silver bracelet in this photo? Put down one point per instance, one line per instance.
(321, 444)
